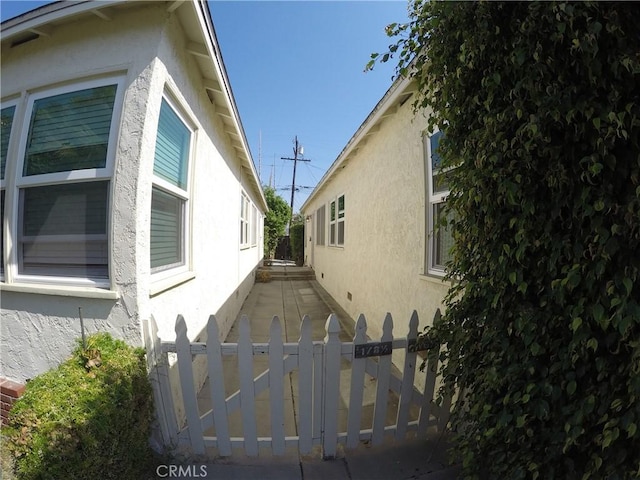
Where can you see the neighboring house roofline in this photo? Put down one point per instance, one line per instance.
(40, 22)
(397, 94)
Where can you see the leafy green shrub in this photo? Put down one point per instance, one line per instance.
(88, 418)
(275, 220)
(297, 243)
(540, 105)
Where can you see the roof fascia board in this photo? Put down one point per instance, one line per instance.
(398, 88)
(50, 13)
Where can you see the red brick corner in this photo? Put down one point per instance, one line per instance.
(10, 391)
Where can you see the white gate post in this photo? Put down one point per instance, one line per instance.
(331, 376)
(185, 370)
(159, 378)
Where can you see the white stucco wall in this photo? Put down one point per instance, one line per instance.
(143, 44)
(382, 262)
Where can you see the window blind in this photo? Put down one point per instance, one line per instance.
(1, 231)
(443, 239)
(166, 229)
(434, 144)
(172, 148)
(63, 229)
(6, 121)
(70, 131)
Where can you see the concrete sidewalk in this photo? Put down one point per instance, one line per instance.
(290, 300)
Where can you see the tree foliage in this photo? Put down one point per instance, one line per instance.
(275, 220)
(297, 243)
(540, 104)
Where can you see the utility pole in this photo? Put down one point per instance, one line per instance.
(297, 150)
(260, 157)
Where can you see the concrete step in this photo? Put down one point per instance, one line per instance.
(288, 273)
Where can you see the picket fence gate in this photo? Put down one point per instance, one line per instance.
(319, 369)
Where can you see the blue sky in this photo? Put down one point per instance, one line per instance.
(297, 68)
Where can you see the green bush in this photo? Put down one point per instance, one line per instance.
(540, 106)
(297, 243)
(89, 418)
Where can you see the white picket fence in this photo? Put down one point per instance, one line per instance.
(318, 364)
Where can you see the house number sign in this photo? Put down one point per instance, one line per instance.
(373, 349)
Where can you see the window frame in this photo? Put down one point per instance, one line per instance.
(9, 168)
(334, 223)
(15, 103)
(16, 181)
(434, 200)
(184, 265)
(253, 226)
(245, 206)
(321, 224)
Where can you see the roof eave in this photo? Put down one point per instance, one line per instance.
(401, 87)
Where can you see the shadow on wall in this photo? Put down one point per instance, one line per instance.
(40, 331)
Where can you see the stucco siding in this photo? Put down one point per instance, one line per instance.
(39, 331)
(143, 45)
(381, 266)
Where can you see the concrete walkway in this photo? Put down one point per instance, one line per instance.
(290, 300)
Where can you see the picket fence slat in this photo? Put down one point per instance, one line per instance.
(318, 401)
(357, 386)
(382, 391)
(159, 379)
(305, 385)
(276, 386)
(319, 366)
(331, 382)
(247, 392)
(185, 369)
(408, 375)
(217, 387)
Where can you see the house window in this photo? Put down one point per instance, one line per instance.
(321, 220)
(341, 220)
(6, 124)
(254, 225)
(244, 221)
(170, 192)
(336, 221)
(62, 183)
(439, 241)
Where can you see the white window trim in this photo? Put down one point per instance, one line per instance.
(9, 166)
(340, 220)
(14, 179)
(336, 221)
(8, 173)
(433, 199)
(253, 227)
(167, 276)
(245, 206)
(321, 236)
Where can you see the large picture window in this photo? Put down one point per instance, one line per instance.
(60, 186)
(170, 192)
(439, 240)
